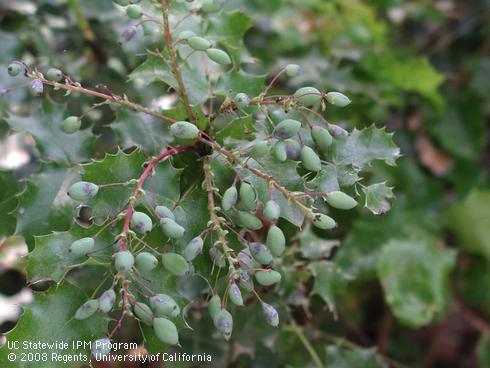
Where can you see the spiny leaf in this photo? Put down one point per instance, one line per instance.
(340, 357)
(378, 197)
(8, 202)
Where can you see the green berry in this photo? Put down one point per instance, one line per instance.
(171, 228)
(54, 74)
(175, 264)
(219, 56)
(199, 43)
(101, 348)
(270, 314)
(292, 70)
(223, 321)
(324, 222)
(15, 68)
(123, 261)
(337, 99)
(129, 32)
(242, 100)
(82, 246)
(272, 211)
(146, 262)
(148, 28)
(141, 222)
(308, 96)
(37, 87)
(248, 197)
(260, 253)
(260, 149)
(276, 241)
(230, 198)
(322, 137)
(217, 257)
(144, 313)
(163, 212)
(193, 248)
(87, 309)
(279, 151)
(134, 11)
(286, 129)
(246, 281)
(83, 191)
(249, 221)
(185, 35)
(235, 294)
(71, 125)
(341, 200)
(107, 301)
(267, 277)
(293, 149)
(164, 306)
(184, 130)
(166, 331)
(310, 159)
(214, 305)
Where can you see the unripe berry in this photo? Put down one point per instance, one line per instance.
(163, 212)
(217, 257)
(175, 264)
(193, 248)
(310, 159)
(337, 99)
(82, 246)
(276, 241)
(267, 277)
(219, 56)
(260, 253)
(235, 295)
(246, 281)
(144, 313)
(184, 130)
(71, 125)
(249, 221)
(164, 306)
(37, 87)
(341, 200)
(248, 197)
(141, 222)
(260, 149)
(87, 309)
(279, 151)
(3, 91)
(242, 100)
(292, 70)
(324, 222)
(272, 211)
(185, 35)
(129, 32)
(223, 321)
(107, 301)
(270, 314)
(293, 149)
(101, 348)
(230, 198)
(134, 11)
(166, 331)
(83, 191)
(286, 129)
(54, 74)
(214, 305)
(171, 228)
(323, 139)
(123, 261)
(308, 96)
(199, 43)
(146, 262)
(15, 68)
(148, 28)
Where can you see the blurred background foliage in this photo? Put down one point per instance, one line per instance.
(409, 288)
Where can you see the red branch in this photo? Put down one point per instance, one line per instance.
(149, 168)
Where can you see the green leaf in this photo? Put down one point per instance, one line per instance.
(329, 280)
(416, 299)
(378, 198)
(314, 247)
(52, 143)
(8, 202)
(44, 205)
(364, 146)
(339, 357)
(241, 128)
(326, 180)
(49, 319)
(240, 82)
(469, 219)
(484, 350)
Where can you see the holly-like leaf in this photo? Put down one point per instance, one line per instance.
(329, 280)
(8, 202)
(416, 299)
(241, 128)
(49, 319)
(469, 219)
(314, 247)
(378, 198)
(340, 357)
(44, 205)
(362, 147)
(326, 180)
(52, 143)
(240, 82)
